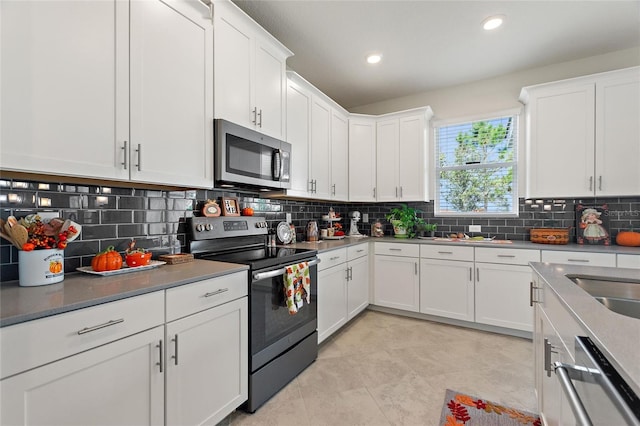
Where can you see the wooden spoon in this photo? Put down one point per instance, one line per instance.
(20, 234)
(6, 236)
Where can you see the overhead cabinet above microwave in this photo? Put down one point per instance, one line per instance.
(94, 89)
(250, 72)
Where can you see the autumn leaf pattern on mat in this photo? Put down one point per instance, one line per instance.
(465, 410)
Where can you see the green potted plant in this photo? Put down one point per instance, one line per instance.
(404, 220)
(424, 229)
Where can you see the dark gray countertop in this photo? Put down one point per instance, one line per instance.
(79, 290)
(618, 336)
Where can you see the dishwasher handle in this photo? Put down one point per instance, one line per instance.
(257, 276)
(562, 371)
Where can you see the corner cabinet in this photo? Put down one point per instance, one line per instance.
(401, 152)
(397, 276)
(250, 72)
(362, 158)
(593, 122)
(110, 91)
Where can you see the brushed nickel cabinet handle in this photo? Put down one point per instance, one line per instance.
(507, 255)
(159, 345)
(400, 192)
(139, 151)
(600, 183)
(99, 326)
(445, 252)
(416, 268)
(260, 116)
(478, 274)
(175, 348)
(590, 183)
(126, 152)
(470, 274)
(374, 192)
(578, 260)
(254, 111)
(213, 293)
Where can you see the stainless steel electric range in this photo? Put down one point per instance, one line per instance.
(280, 345)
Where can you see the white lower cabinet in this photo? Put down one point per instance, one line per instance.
(579, 258)
(628, 261)
(206, 355)
(343, 287)
(502, 287)
(397, 276)
(104, 366)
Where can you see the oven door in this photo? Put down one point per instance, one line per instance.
(244, 156)
(272, 329)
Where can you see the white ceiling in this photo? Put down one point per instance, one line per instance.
(429, 44)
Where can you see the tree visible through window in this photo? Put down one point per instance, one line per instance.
(476, 167)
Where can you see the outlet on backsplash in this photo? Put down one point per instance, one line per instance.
(475, 228)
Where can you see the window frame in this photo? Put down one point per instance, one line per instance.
(516, 164)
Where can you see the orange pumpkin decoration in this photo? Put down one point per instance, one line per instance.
(108, 260)
(137, 258)
(628, 238)
(55, 267)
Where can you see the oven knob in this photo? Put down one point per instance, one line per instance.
(208, 227)
(199, 227)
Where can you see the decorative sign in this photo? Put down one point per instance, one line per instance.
(592, 225)
(230, 206)
(211, 209)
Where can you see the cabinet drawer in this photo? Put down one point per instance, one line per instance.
(354, 252)
(629, 261)
(191, 298)
(446, 252)
(507, 256)
(41, 341)
(398, 249)
(579, 258)
(332, 258)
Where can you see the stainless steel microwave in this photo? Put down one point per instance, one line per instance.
(245, 157)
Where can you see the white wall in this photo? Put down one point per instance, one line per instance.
(501, 93)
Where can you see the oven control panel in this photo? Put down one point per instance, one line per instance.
(206, 228)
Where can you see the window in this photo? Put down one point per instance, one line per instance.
(476, 164)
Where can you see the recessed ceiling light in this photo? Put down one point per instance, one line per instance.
(374, 58)
(492, 22)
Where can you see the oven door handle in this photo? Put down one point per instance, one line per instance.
(563, 371)
(280, 271)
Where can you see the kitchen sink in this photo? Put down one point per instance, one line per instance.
(618, 295)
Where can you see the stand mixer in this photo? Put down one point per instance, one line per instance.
(353, 228)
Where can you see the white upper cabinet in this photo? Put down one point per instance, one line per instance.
(339, 155)
(111, 88)
(317, 129)
(583, 136)
(250, 72)
(299, 134)
(362, 158)
(402, 155)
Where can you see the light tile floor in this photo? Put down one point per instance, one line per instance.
(384, 369)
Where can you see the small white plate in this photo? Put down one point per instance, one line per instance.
(124, 270)
(283, 231)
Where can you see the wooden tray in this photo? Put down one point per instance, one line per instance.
(174, 259)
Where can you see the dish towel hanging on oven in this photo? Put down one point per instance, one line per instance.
(297, 285)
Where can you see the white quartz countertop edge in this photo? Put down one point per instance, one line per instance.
(618, 336)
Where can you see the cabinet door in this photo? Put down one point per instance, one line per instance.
(65, 87)
(332, 300)
(339, 156)
(397, 282)
(446, 289)
(629, 261)
(234, 54)
(320, 147)
(358, 286)
(298, 135)
(115, 384)
(270, 89)
(387, 134)
(171, 93)
(549, 391)
(207, 364)
(562, 122)
(362, 160)
(618, 135)
(412, 161)
(502, 296)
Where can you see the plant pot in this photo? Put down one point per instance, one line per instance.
(398, 229)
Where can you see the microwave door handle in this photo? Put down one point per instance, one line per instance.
(277, 164)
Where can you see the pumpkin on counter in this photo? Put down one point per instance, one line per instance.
(628, 238)
(108, 260)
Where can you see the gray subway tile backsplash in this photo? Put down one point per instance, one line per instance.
(111, 215)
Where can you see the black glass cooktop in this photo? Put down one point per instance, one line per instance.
(264, 257)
